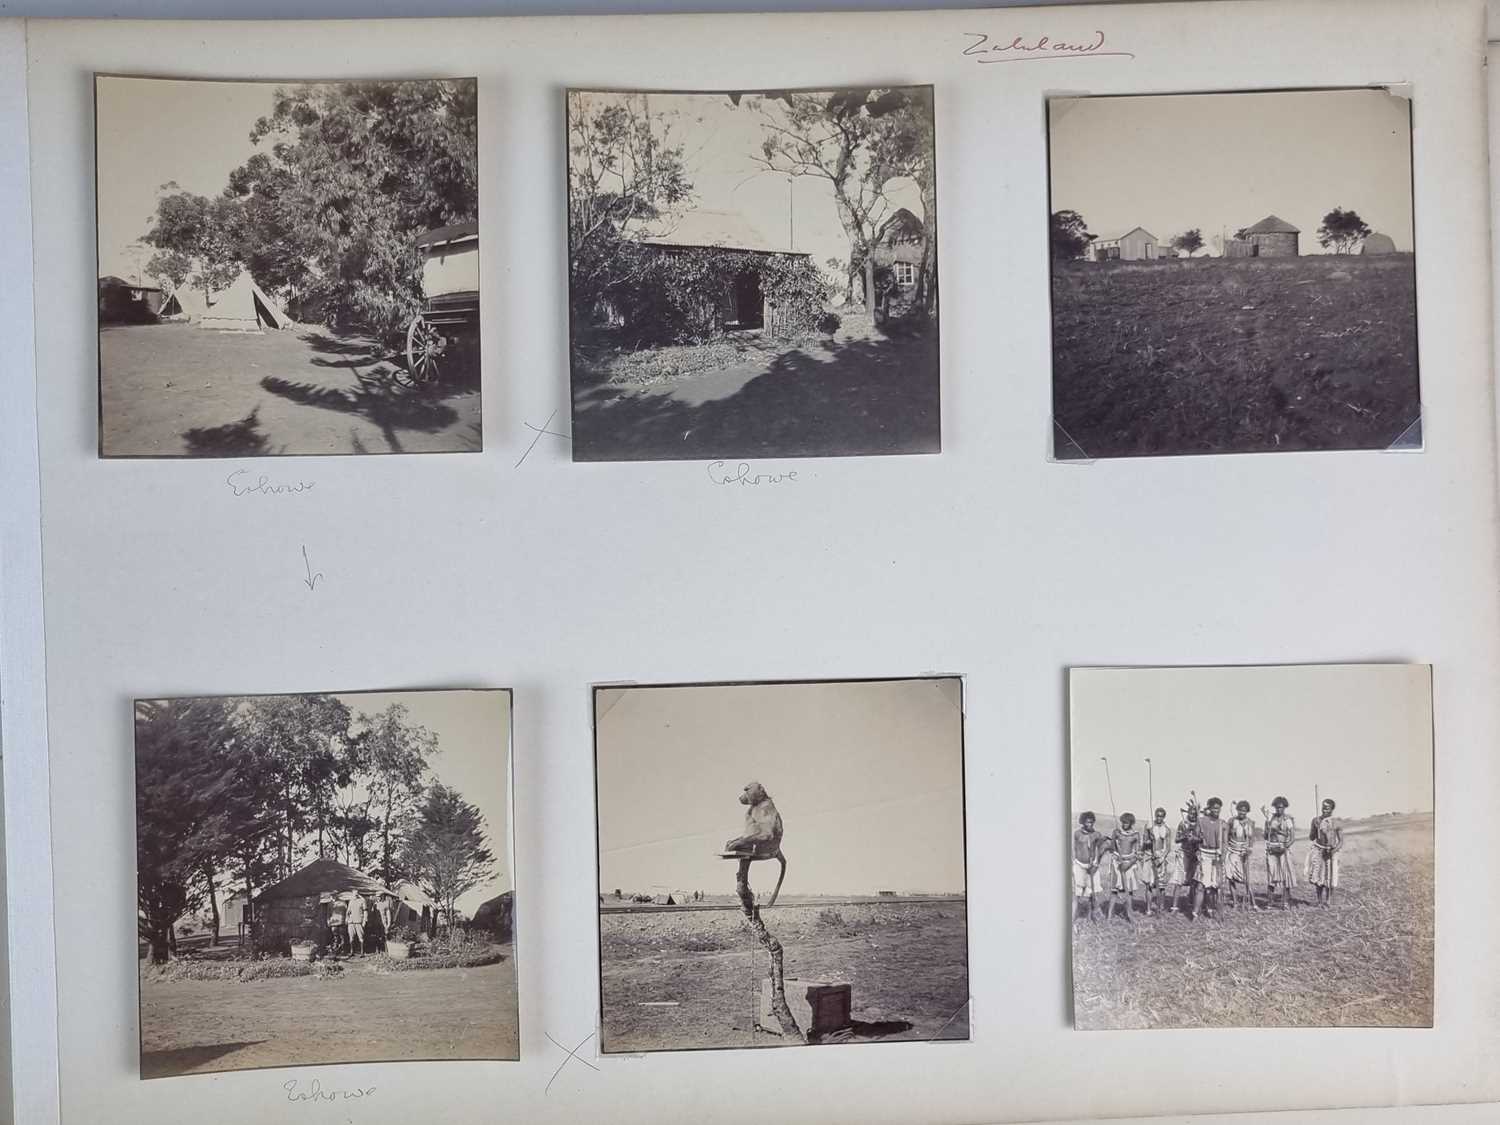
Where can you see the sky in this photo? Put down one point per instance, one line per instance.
(1361, 733)
(718, 142)
(1219, 162)
(473, 732)
(868, 778)
(151, 131)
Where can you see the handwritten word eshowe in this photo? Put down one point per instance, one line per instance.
(720, 473)
(316, 1093)
(1020, 49)
(239, 483)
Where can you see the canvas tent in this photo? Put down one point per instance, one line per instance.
(243, 307)
(415, 907)
(296, 908)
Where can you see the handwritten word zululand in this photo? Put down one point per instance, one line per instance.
(720, 473)
(316, 1093)
(240, 484)
(1021, 49)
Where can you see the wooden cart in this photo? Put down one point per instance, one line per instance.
(449, 320)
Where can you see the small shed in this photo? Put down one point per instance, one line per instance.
(738, 300)
(296, 909)
(1134, 245)
(1273, 237)
(1378, 243)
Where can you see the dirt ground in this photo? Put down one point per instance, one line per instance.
(174, 390)
(1212, 355)
(195, 1027)
(689, 979)
(854, 392)
(1366, 960)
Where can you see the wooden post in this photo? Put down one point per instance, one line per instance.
(773, 947)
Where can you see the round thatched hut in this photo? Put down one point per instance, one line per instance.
(1378, 243)
(296, 909)
(1273, 237)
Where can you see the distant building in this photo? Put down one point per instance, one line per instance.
(1135, 245)
(1378, 243)
(1272, 237)
(894, 265)
(886, 894)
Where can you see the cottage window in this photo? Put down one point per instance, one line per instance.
(906, 274)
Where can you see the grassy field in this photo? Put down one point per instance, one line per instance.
(1366, 960)
(682, 980)
(362, 1014)
(1215, 355)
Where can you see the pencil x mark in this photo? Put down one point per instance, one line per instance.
(539, 431)
(573, 1054)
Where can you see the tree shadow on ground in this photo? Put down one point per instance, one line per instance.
(458, 370)
(819, 398)
(389, 407)
(233, 439)
(165, 1064)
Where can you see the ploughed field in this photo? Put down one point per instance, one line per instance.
(685, 979)
(361, 1015)
(1364, 961)
(1217, 355)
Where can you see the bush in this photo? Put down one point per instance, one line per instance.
(275, 968)
(470, 957)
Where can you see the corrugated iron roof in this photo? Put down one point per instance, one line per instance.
(725, 230)
(1115, 237)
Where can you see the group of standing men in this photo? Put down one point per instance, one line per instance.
(1202, 854)
(349, 914)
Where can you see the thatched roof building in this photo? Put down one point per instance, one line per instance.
(1273, 237)
(497, 914)
(296, 909)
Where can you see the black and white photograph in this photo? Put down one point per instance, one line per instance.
(287, 267)
(324, 879)
(781, 864)
(753, 273)
(1232, 273)
(1279, 872)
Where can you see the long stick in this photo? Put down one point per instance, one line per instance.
(1150, 791)
(1110, 785)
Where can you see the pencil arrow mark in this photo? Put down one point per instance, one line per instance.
(311, 581)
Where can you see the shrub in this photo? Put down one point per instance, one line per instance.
(470, 957)
(267, 969)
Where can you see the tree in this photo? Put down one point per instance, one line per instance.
(624, 172)
(196, 800)
(393, 754)
(300, 748)
(1242, 234)
(1342, 231)
(351, 173)
(1070, 235)
(1188, 242)
(446, 851)
(858, 140)
(197, 239)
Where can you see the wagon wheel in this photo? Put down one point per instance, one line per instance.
(424, 344)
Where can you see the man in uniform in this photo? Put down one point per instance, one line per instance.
(1327, 838)
(1237, 859)
(1088, 847)
(336, 912)
(1212, 833)
(1281, 833)
(359, 911)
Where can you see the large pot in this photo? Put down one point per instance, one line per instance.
(400, 950)
(302, 950)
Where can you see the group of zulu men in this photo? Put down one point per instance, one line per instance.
(1202, 854)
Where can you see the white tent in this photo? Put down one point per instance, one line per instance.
(243, 307)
